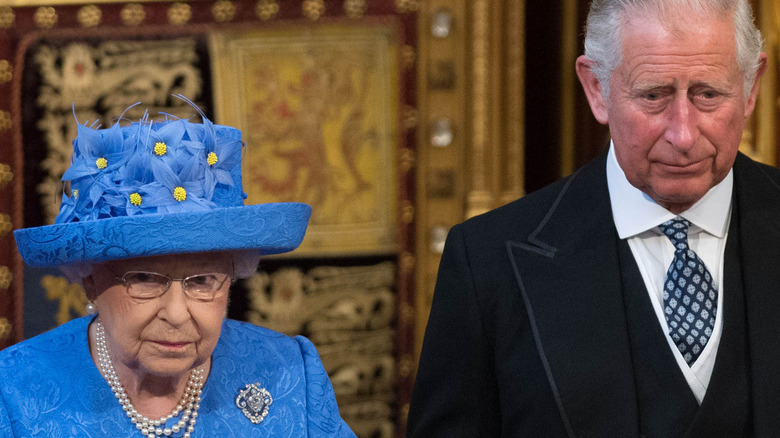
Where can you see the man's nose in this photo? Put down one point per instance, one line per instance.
(681, 125)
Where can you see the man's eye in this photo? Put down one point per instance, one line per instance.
(709, 94)
(652, 96)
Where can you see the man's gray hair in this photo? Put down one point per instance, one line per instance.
(603, 44)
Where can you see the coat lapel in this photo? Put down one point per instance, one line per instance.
(568, 273)
(758, 203)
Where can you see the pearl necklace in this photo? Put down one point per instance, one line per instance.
(189, 403)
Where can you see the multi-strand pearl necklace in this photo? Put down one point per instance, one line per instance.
(189, 403)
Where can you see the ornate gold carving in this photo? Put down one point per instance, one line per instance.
(408, 57)
(405, 366)
(179, 13)
(407, 160)
(355, 8)
(514, 102)
(223, 11)
(5, 329)
(89, 16)
(480, 199)
(133, 14)
(409, 117)
(406, 263)
(45, 17)
(6, 175)
(5, 121)
(71, 297)
(266, 9)
(407, 212)
(5, 224)
(6, 71)
(313, 9)
(7, 17)
(406, 314)
(407, 6)
(5, 277)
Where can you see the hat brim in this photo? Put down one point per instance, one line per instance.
(273, 228)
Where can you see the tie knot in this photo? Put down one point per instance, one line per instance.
(677, 231)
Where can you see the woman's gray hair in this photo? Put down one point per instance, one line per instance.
(603, 44)
(244, 265)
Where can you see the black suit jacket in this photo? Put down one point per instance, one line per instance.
(527, 335)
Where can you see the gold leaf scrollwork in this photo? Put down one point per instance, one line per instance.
(179, 13)
(409, 120)
(133, 14)
(71, 297)
(406, 314)
(406, 263)
(408, 57)
(266, 9)
(5, 121)
(407, 160)
(355, 8)
(223, 11)
(313, 9)
(5, 328)
(407, 6)
(407, 212)
(7, 17)
(5, 224)
(45, 17)
(405, 366)
(89, 16)
(6, 175)
(5, 71)
(5, 277)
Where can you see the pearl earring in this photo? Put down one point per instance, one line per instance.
(91, 308)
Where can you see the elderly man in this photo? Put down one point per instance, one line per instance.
(639, 296)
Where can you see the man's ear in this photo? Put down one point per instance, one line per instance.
(592, 86)
(750, 105)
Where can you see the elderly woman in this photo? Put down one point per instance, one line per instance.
(155, 229)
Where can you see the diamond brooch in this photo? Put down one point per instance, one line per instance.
(254, 401)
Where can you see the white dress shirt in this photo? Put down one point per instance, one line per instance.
(637, 218)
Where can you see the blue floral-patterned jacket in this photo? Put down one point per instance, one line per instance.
(50, 387)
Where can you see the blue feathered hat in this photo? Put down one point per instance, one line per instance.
(154, 188)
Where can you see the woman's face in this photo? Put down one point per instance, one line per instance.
(167, 335)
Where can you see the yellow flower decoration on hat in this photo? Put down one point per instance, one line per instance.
(76, 194)
(179, 194)
(160, 148)
(212, 159)
(101, 163)
(135, 199)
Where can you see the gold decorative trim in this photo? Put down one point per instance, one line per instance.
(45, 17)
(7, 17)
(313, 9)
(179, 14)
(5, 329)
(89, 16)
(479, 200)
(5, 277)
(133, 14)
(406, 366)
(568, 85)
(406, 315)
(406, 263)
(6, 71)
(6, 175)
(29, 3)
(223, 11)
(409, 117)
(266, 9)
(515, 124)
(406, 161)
(5, 121)
(408, 57)
(407, 6)
(407, 212)
(5, 224)
(355, 8)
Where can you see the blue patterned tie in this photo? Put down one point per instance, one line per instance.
(690, 297)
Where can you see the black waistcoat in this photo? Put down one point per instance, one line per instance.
(667, 407)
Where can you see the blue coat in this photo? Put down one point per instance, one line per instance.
(50, 387)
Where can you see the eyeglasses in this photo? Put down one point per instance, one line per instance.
(147, 285)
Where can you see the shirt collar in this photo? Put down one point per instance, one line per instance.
(634, 212)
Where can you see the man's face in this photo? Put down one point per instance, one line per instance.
(677, 109)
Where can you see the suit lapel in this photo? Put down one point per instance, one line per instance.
(758, 203)
(568, 274)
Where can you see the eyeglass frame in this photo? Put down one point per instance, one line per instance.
(183, 282)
